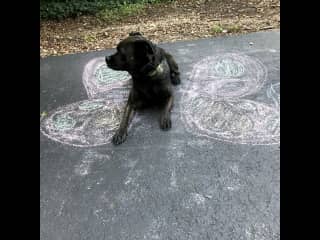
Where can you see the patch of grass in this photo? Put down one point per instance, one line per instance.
(61, 9)
(216, 29)
(225, 28)
(233, 28)
(124, 10)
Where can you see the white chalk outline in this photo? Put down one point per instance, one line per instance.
(274, 94)
(92, 86)
(111, 94)
(201, 79)
(256, 134)
(73, 135)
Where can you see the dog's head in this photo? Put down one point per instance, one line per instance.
(133, 54)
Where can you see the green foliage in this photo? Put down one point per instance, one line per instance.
(227, 28)
(124, 10)
(61, 9)
(216, 29)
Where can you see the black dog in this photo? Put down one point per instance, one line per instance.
(153, 72)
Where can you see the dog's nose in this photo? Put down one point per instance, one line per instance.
(107, 58)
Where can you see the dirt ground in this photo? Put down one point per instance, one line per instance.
(181, 20)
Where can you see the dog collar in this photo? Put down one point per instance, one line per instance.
(158, 70)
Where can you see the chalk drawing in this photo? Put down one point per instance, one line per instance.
(213, 105)
(100, 181)
(84, 167)
(260, 231)
(228, 76)
(90, 122)
(132, 177)
(235, 168)
(231, 182)
(273, 50)
(195, 199)
(274, 93)
(173, 179)
(99, 213)
(242, 121)
(85, 123)
(64, 121)
(184, 51)
(61, 207)
(98, 79)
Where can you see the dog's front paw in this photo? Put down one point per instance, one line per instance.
(165, 123)
(119, 137)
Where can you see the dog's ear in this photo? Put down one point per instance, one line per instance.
(145, 46)
(135, 34)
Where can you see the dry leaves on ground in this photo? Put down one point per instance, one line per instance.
(181, 20)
